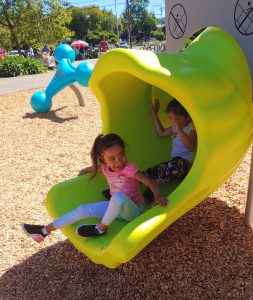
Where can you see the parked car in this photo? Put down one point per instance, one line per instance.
(123, 44)
(16, 53)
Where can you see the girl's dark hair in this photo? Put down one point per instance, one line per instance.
(175, 107)
(101, 143)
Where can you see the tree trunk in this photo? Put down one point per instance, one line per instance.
(11, 28)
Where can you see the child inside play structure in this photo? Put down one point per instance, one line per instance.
(108, 156)
(184, 142)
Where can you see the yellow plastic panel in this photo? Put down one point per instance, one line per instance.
(212, 81)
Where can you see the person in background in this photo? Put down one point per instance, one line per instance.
(82, 53)
(36, 53)
(30, 52)
(51, 52)
(103, 45)
(77, 53)
(45, 49)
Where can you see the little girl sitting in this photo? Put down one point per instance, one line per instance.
(108, 156)
(184, 142)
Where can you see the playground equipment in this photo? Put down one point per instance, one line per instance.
(65, 75)
(249, 205)
(211, 79)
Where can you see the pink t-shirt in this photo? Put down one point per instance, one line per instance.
(124, 182)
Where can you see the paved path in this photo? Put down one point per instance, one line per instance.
(29, 82)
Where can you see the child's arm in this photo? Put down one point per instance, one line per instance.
(160, 130)
(189, 140)
(152, 185)
(88, 170)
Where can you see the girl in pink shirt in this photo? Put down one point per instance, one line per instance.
(108, 156)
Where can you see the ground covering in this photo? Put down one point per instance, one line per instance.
(206, 254)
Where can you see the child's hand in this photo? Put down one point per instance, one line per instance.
(176, 126)
(161, 200)
(156, 106)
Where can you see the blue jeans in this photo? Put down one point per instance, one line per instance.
(120, 206)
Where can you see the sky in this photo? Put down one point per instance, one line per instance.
(155, 6)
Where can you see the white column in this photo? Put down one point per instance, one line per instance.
(249, 206)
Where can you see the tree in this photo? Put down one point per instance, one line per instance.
(142, 22)
(5, 38)
(34, 21)
(95, 37)
(158, 35)
(87, 19)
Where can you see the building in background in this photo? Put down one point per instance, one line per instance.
(184, 17)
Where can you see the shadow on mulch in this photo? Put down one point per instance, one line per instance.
(51, 116)
(206, 254)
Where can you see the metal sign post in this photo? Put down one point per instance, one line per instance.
(249, 206)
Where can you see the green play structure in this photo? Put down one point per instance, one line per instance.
(211, 79)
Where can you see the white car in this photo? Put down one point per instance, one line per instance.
(123, 44)
(15, 53)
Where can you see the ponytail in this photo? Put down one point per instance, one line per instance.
(95, 154)
(101, 143)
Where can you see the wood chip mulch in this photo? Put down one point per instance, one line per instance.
(206, 254)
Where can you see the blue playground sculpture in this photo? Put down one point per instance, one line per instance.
(66, 74)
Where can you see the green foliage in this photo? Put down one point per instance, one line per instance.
(33, 22)
(87, 19)
(33, 66)
(95, 37)
(158, 34)
(142, 22)
(5, 38)
(14, 66)
(11, 67)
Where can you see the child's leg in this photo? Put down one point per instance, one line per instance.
(91, 210)
(39, 232)
(120, 206)
(157, 172)
(96, 210)
(177, 168)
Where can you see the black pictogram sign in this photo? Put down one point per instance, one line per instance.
(177, 21)
(243, 17)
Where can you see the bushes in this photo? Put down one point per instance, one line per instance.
(14, 66)
(158, 34)
(95, 37)
(33, 66)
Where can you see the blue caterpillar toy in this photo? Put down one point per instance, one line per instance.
(65, 75)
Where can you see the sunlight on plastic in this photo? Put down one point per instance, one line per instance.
(147, 226)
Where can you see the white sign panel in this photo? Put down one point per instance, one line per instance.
(183, 17)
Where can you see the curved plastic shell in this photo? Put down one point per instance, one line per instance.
(212, 81)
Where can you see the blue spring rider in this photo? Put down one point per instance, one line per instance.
(65, 75)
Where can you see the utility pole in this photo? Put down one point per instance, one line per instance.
(129, 24)
(117, 26)
(161, 10)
